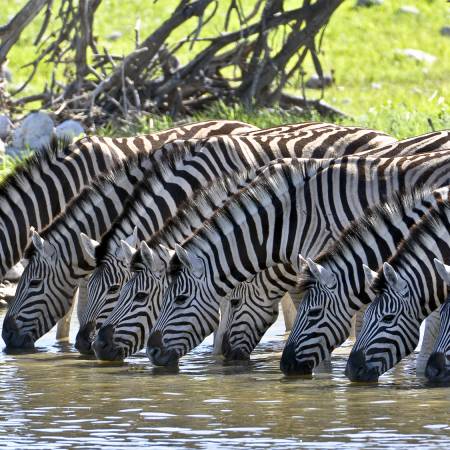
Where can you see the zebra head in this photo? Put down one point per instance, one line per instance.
(390, 329)
(44, 294)
(438, 365)
(321, 324)
(103, 288)
(125, 331)
(252, 310)
(190, 311)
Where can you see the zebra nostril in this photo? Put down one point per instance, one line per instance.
(153, 352)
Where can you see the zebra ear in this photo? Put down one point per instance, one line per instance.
(321, 274)
(191, 262)
(41, 245)
(370, 274)
(89, 245)
(443, 270)
(152, 260)
(392, 277)
(132, 241)
(128, 251)
(38, 242)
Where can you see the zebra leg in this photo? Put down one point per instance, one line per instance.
(63, 325)
(289, 311)
(357, 321)
(218, 334)
(82, 297)
(430, 333)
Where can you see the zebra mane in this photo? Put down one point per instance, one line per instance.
(429, 224)
(37, 161)
(83, 201)
(216, 191)
(358, 229)
(280, 173)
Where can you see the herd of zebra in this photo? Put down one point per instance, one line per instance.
(168, 237)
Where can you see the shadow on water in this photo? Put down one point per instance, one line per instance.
(56, 398)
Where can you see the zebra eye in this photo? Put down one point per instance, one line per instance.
(35, 283)
(180, 299)
(314, 313)
(114, 289)
(235, 302)
(389, 318)
(141, 297)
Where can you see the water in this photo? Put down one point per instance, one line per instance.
(56, 399)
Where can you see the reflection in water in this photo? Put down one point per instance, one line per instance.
(55, 398)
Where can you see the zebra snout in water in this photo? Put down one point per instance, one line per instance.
(290, 365)
(438, 367)
(104, 346)
(357, 368)
(85, 336)
(158, 355)
(231, 354)
(14, 337)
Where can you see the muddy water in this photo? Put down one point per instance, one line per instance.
(56, 399)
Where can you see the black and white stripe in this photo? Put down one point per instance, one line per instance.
(293, 207)
(254, 304)
(151, 208)
(333, 286)
(408, 289)
(65, 272)
(42, 187)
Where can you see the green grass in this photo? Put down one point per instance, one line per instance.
(360, 45)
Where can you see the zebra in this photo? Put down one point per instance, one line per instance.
(126, 328)
(111, 272)
(41, 187)
(253, 305)
(314, 139)
(285, 211)
(438, 364)
(333, 286)
(49, 307)
(408, 289)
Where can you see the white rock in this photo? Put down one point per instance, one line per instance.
(15, 272)
(376, 85)
(35, 132)
(369, 2)
(5, 126)
(418, 55)
(445, 31)
(408, 9)
(70, 129)
(2, 148)
(114, 36)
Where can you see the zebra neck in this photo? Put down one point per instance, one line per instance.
(414, 260)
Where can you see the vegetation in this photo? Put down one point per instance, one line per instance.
(375, 84)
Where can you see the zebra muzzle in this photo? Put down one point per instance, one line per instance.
(437, 368)
(104, 347)
(14, 338)
(357, 368)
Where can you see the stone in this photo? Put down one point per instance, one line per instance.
(316, 83)
(69, 129)
(418, 55)
(5, 127)
(376, 85)
(15, 272)
(35, 133)
(445, 31)
(408, 9)
(114, 36)
(369, 2)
